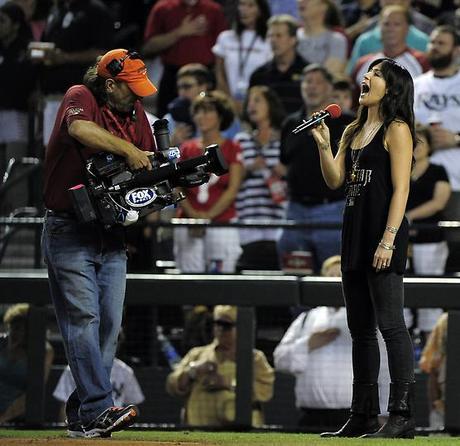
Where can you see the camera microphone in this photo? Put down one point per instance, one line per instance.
(332, 110)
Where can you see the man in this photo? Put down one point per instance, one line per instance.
(371, 40)
(206, 377)
(311, 201)
(87, 263)
(181, 32)
(437, 100)
(284, 71)
(394, 25)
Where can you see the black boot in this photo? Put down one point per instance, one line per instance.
(364, 411)
(401, 422)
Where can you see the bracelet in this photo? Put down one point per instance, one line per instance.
(391, 229)
(386, 246)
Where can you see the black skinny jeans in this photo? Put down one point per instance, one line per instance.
(377, 299)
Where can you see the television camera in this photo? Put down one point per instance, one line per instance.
(114, 194)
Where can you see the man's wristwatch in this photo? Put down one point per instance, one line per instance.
(191, 371)
(457, 140)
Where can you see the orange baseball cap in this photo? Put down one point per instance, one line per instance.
(120, 64)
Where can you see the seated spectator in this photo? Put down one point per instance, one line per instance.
(433, 362)
(35, 12)
(206, 377)
(284, 72)
(394, 24)
(318, 38)
(316, 349)
(13, 363)
(262, 195)
(429, 193)
(126, 390)
(241, 50)
(210, 249)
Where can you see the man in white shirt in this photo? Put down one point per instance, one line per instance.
(437, 100)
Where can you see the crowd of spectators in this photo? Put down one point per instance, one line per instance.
(244, 74)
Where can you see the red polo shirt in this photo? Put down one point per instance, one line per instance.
(167, 15)
(64, 166)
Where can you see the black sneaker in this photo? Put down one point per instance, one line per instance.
(111, 420)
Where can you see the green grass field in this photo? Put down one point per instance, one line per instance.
(50, 438)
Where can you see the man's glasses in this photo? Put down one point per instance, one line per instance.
(225, 325)
(185, 86)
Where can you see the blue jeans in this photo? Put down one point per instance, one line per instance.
(322, 243)
(87, 272)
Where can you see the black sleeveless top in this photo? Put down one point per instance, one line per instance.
(368, 194)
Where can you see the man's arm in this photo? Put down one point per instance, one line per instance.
(95, 137)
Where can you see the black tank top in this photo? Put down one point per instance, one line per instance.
(368, 194)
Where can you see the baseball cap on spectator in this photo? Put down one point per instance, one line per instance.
(126, 66)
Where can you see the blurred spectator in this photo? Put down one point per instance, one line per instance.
(181, 32)
(17, 82)
(241, 50)
(371, 42)
(13, 363)
(262, 194)
(126, 390)
(437, 103)
(79, 30)
(429, 193)
(310, 200)
(206, 377)
(433, 362)
(358, 15)
(394, 24)
(213, 250)
(284, 71)
(343, 94)
(35, 12)
(316, 349)
(435, 8)
(318, 38)
(192, 79)
(419, 20)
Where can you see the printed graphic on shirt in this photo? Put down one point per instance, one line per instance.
(357, 180)
(72, 111)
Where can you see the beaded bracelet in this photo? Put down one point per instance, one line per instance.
(386, 246)
(391, 229)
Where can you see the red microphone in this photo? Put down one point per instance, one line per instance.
(332, 110)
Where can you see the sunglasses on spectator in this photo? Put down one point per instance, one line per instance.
(225, 325)
(185, 86)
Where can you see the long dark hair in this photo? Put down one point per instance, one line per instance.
(276, 110)
(396, 105)
(261, 23)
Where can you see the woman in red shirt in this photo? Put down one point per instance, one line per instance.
(210, 249)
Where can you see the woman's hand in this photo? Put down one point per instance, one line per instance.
(382, 258)
(321, 135)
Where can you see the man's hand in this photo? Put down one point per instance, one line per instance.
(138, 159)
(215, 381)
(322, 338)
(442, 138)
(193, 26)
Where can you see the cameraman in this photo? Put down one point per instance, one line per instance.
(86, 262)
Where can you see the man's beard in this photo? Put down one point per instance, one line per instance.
(440, 62)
